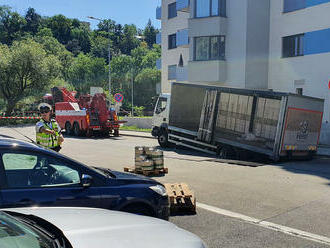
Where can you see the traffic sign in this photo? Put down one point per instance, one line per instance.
(118, 97)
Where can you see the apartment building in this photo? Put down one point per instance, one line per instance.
(299, 54)
(283, 45)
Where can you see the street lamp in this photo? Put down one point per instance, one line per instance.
(109, 53)
(132, 77)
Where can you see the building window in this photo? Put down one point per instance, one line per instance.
(172, 41)
(206, 8)
(172, 10)
(293, 5)
(209, 48)
(293, 46)
(171, 72)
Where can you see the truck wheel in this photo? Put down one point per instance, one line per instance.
(227, 153)
(68, 128)
(163, 139)
(76, 129)
(116, 132)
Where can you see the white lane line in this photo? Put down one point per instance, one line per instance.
(269, 225)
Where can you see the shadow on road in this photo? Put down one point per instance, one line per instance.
(319, 166)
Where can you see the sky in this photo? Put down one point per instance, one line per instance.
(121, 11)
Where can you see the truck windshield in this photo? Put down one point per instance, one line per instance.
(161, 105)
(15, 234)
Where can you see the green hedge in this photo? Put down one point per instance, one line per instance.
(13, 122)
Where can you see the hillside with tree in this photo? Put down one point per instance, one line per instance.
(37, 53)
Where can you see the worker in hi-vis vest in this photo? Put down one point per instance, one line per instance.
(48, 132)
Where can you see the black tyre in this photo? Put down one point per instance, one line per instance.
(139, 209)
(163, 139)
(116, 132)
(76, 129)
(68, 130)
(227, 152)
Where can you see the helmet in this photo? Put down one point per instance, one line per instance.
(44, 106)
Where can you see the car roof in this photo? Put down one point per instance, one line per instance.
(8, 143)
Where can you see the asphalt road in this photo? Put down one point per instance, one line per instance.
(274, 205)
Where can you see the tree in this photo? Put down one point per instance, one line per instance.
(129, 40)
(11, 25)
(61, 28)
(145, 82)
(83, 38)
(33, 21)
(53, 47)
(25, 69)
(100, 47)
(121, 67)
(87, 71)
(149, 34)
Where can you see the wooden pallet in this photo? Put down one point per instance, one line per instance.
(182, 199)
(155, 172)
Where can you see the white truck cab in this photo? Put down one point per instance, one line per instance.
(160, 118)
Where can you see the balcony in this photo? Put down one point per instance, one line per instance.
(159, 13)
(159, 64)
(208, 26)
(182, 38)
(207, 71)
(182, 73)
(159, 38)
(183, 5)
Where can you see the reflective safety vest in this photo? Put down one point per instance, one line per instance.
(48, 140)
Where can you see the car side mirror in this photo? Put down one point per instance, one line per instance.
(86, 180)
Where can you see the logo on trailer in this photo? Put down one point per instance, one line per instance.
(118, 97)
(303, 131)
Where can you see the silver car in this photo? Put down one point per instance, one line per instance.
(89, 228)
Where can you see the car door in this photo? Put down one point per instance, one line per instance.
(37, 179)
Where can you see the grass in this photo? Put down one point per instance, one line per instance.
(135, 128)
(122, 117)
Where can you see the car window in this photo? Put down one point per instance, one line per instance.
(16, 234)
(26, 171)
(14, 161)
(64, 174)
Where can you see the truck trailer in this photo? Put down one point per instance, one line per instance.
(233, 122)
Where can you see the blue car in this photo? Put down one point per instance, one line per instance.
(31, 175)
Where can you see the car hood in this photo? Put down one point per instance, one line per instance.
(130, 177)
(87, 227)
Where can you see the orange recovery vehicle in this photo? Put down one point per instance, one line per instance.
(86, 115)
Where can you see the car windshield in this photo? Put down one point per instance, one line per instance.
(15, 234)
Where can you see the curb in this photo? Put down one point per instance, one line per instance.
(136, 135)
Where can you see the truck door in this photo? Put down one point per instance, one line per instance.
(205, 130)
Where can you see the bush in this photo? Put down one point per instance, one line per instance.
(12, 122)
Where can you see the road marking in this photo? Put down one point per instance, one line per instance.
(265, 224)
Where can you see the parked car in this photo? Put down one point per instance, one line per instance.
(86, 228)
(31, 175)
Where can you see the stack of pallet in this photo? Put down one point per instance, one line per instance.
(148, 161)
